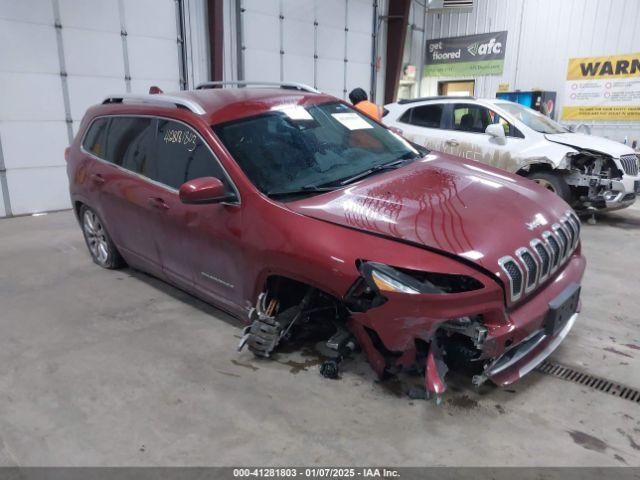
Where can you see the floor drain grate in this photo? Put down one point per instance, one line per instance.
(591, 381)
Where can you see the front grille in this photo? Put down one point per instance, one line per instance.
(545, 259)
(629, 164)
(535, 262)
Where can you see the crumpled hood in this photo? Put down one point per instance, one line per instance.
(444, 203)
(590, 142)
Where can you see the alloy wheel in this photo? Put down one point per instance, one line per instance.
(96, 237)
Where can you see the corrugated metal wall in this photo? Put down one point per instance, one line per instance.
(543, 35)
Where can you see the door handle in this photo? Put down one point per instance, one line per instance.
(452, 142)
(159, 203)
(97, 179)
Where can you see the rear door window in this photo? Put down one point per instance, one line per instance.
(428, 116)
(95, 140)
(129, 143)
(181, 155)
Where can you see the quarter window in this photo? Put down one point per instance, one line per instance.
(181, 155)
(428, 116)
(95, 139)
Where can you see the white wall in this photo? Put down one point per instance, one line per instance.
(40, 109)
(307, 41)
(543, 35)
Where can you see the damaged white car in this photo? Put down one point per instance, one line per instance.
(590, 173)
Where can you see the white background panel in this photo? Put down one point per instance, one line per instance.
(331, 76)
(28, 47)
(330, 42)
(261, 31)
(298, 69)
(27, 96)
(33, 144)
(331, 13)
(358, 75)
(142, 86)
(153, 58)
(265, 6)
(261, 65)
(303, 10)
(87, 91)
(37, 11)
(359, 47)
(38, 189)
(298, 37)
(90, 14)
(360, 16)
(94, 53)
(151, 18)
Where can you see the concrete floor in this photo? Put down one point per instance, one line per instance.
(116, 368)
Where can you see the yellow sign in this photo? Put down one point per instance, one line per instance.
(614, 66)
(603, 88)
(503, 87)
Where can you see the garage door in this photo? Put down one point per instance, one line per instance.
(58, 58)
(323, 43)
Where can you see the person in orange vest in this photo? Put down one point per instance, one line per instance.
(359, 99)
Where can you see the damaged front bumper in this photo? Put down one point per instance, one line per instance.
(605, 194)
(409, 332)
(524, 357)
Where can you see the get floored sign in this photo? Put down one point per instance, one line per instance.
(471, 55)
(603, 88)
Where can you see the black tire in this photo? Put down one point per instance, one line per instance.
(101, 248)
(553, 182)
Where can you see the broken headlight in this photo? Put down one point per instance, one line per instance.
(384, 278)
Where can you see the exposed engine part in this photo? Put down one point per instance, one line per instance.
(337, 348)
(471, 327)
(267, 327)
(594, 178)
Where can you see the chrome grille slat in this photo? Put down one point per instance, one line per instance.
(629, 164)
(544, 258)
(516, 277)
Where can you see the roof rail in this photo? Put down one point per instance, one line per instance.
(404, 101)
(156, 99)
(241, 83)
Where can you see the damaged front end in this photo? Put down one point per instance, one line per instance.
(597, 181)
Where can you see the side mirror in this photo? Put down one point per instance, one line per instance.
(204, 190)
(497, 132)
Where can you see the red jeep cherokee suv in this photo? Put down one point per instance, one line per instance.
(287, 207)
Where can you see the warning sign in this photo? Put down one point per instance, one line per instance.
(603, 88)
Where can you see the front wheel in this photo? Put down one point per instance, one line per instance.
(552, 182)
(101, 247)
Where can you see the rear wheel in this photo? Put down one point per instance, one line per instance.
(552, 182)
(101, 247)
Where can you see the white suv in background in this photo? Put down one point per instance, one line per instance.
(588, 172)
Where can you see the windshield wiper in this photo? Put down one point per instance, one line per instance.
(378, 168)
(299, 191)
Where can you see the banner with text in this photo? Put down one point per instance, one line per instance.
(468, 56)
(603, 88)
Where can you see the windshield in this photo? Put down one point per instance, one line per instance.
(532, 119)
(294, 147)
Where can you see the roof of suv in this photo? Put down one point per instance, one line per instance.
(219, 105)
